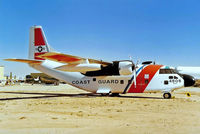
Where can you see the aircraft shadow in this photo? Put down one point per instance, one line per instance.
(142, 97)
(54, 95)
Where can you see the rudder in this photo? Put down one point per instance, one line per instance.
(37, 43)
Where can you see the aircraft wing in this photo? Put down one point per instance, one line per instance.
(70, 59)
(25, 61)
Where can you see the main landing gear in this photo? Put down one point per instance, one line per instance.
(114, 95)
(167, 95)
(105, 94)
(110, 94)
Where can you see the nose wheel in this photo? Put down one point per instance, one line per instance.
(167, 96)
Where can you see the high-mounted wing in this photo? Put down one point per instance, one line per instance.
(70, 59)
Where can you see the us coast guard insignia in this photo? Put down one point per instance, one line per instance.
(40, 49)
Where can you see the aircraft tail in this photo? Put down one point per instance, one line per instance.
(37, 43)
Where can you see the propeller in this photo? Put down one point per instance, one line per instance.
(134, 71)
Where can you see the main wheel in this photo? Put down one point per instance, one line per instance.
(105, 94)
(167, 95)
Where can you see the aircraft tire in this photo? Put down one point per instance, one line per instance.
(167, 96)
(105, 94)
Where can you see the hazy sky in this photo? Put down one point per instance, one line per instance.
(167, 31)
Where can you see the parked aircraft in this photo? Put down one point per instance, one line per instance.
(43, 79)
(192, 71)
(96, 76)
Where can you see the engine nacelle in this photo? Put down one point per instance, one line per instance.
(126, 67)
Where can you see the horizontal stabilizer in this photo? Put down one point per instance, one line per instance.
(25, 61)
(103, 91)
(70, 59)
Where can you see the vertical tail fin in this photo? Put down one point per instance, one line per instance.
(37, 43)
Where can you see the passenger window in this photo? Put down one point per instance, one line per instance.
(166, 82)
(146, 81)
(121, 81)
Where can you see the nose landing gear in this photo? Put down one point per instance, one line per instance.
(167, 95)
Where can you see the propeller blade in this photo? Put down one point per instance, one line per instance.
(134, 69)
(135, 77)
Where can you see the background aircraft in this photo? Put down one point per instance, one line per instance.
(192, 71)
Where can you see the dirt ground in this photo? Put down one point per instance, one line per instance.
(63, 109)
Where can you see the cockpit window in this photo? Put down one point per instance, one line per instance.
(167, 71)
(175, 77)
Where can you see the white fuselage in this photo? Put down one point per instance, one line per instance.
(114, 84)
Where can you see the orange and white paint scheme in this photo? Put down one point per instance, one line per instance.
(117, 77)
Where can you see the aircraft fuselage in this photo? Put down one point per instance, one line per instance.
(149, 78)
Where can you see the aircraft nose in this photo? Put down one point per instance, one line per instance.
(188, 80)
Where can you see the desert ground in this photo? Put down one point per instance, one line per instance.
(27, 109)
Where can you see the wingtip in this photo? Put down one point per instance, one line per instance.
(9, 59)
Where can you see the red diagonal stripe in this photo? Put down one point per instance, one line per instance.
(140, 80)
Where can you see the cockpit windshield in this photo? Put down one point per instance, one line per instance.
(167, 71)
